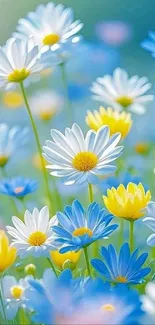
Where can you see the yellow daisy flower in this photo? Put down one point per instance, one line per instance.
(60, 259)
(117, 121)
(127, 203)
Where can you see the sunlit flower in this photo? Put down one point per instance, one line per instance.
(18, 60)
(7, 253)
(45, 104)
(148, 300)
(12, 99)
(123, 268)
(78, 159)
(11, 139)
(49, 25)
(13, 294)
(149, 43)
(121, 92)
(18, 186)
(117, 122)
(34, 236)
(127, 203)
(149, 221)
(78, 228)
(60, 259)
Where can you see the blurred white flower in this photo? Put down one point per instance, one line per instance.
(45, 104)
(114, 32)
(149, 221)
(148, 300)
(121, 92)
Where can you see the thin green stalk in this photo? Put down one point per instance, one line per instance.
(87, 260)
(1, 298)
(38, 142)
(90, 192)
(121, 232)
(65, 84)
(131, 235)
(14, 207)
(52, 266)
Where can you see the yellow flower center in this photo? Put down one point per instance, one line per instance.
(51, 39)
(121, 279)
(16, 292)
(12, 99)
(37, 238)
(82, 231)
(3, 160)
(19, 189)
(85, 161)
(18, 75)
(142, 148)
(124, 101)
(108, 307)
(47, 115)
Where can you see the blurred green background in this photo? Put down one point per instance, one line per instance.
(140, 14)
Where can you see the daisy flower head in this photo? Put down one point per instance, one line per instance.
(14, 294)
(148, 300)
(18, 186)
(149, 221)
(19, 59)
(12, 99)
(121, 92)
(117, 121)
(78, 228)
(80, 159)
(7, 253)
(127, 202)
(149, 43)
(50, 25)
(123, 268)
(10, 139)
(34, 236)
(45, 104)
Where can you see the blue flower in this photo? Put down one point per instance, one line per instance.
(117, 305)
(125, 268)
(123, 178)
(53, 297)
(78, 229)
(149, 43)
(18, 186)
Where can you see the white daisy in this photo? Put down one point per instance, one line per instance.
(121, 92)
(49, 25)
(82, 159)
(19, 59)
(45, 104)
(148, 300)
(149, 221)
(14, 294)
(10, 140)
(33, 236)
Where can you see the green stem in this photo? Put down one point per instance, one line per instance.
(38, 142)
(1, 298)
(16, 212)
(121, 232)
(131, 235)
(90, 191)
(52, 266)
(65, 84)
(87, 260)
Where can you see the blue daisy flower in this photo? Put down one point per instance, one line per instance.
(149, 43)
(43, 296)
(78, 228)
(18, 186)
(104, 304)
(125, 268)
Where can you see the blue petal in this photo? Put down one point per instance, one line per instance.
(100, 267)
